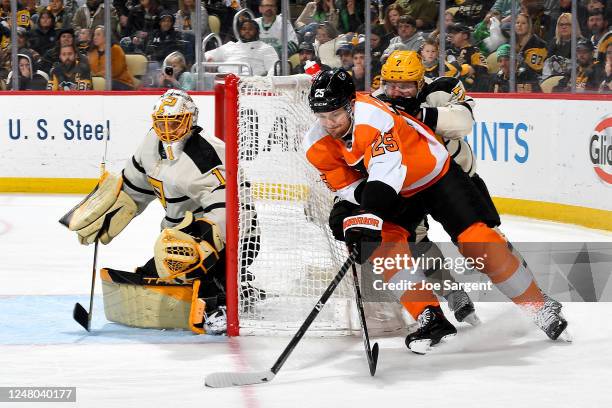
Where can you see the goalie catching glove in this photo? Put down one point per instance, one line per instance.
(184, 252)
(103, 214)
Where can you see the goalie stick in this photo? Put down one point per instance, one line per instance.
(229, 379)
(371, 352)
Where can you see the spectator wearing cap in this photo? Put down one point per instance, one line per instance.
(531, 54)
(63, 17)
(70, 73)
(602, 36)
(407, 37)
(260, 56)
(345, 53)
(165, 40)
(51, 57)
(91, 15)
(469, 57)
(23, 45)
(122, 79)
(306, 51)
(501, 80)
(43, 37)
(424, 12)
(271, 28)
(590, 73)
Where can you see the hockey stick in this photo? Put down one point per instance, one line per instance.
(228, 379)
(371, 353)
(82, 316)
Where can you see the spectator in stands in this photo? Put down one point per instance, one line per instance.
(318, 11)
(504, 8)
(565, 6)
(358, 68)
(325, 44)
(165, 40)
(30, 79)
(590, 73)
(271, 28)
(424, 12)
(43, 37)
(70, 74)
(558, 61)
(344, 51)
(392, 16)
(378, 45)
(488, 35)
(83, 40)
(51, 57)
(27, 13)
(174, 73)
(601, 37)
(472, 62)
(542, 23)
(307, 53)
(249, 49)
(472, 12)
(430, 54)
(142, 20)
(63, 17)
(185, 17)
(501, 80)
(91, 15)
(531, 54)
(121, 77)
(606, 84)
(407, 37)
(593, 5)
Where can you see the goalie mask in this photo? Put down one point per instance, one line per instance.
(174, 115)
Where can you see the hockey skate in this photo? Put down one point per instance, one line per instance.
(550, 319)
(215, 322)
(433, 328)
(462, 306)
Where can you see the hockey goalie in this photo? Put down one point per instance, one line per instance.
(183, 285)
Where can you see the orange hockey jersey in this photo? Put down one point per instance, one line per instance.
(384, 146)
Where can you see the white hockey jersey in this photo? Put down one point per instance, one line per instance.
(273, 34)
(194, 181)
(259, 55)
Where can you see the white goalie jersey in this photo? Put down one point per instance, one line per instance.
(194, 181)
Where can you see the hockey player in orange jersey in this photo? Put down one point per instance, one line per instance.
(396, 171)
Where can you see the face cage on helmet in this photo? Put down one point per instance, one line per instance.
(172, 128)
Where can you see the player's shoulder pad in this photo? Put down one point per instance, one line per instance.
(203, 154)
(373, 112)
(313, 135)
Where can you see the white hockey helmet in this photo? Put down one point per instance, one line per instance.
(173, 115)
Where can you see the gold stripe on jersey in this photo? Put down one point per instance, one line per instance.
(158, 188)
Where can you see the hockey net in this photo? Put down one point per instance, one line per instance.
(281, 253)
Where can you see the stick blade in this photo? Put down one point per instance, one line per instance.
(374, 361)
(221, 380)
(81, 316)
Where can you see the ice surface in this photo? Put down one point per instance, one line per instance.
(505, 362)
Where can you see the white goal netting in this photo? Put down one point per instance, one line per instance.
(288, 255)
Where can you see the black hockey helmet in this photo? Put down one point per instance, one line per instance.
(331, 90)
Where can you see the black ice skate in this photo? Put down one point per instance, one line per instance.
(460, 303)
(433, 328)
(551, 321)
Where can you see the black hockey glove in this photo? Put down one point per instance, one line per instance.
(339, 212)
(363, 233)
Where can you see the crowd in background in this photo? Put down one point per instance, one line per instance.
(61, 43)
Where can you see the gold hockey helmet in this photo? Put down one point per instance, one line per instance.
(404, 66)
